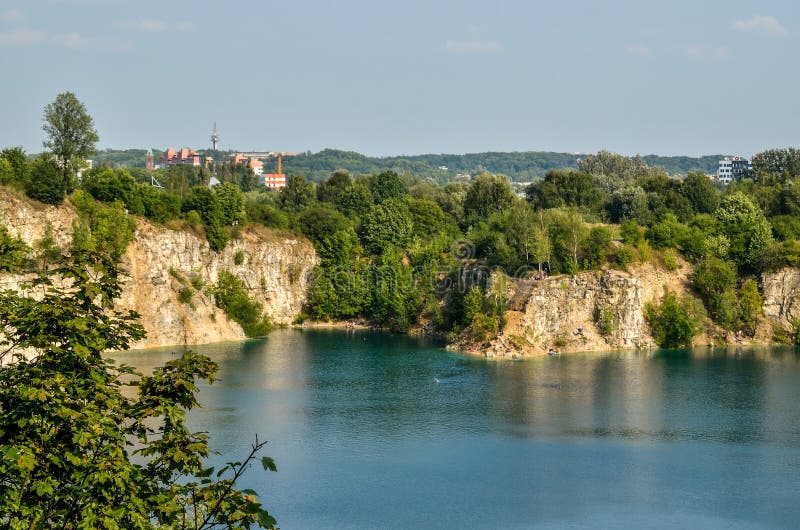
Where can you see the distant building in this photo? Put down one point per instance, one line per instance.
(253, 163)
(149, 161)
(275, 180)
(185, 156)
(732, 168)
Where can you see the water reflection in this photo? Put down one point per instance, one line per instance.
(364, 425)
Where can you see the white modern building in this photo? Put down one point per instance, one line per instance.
(732, 168)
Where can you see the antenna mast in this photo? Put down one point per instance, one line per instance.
(214, 137)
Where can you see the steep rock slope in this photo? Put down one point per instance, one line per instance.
(160, 262)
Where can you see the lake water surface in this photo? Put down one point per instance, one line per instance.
(371, 430)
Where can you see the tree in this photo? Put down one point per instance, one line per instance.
(745, 226)
(487, 195)
(46, 182)
(19, 163)
(698, 189)
(78, 451)
(388, 224)
(715, 279)
(387, 185)
(298, 193)
(71, 133)
(673, 323)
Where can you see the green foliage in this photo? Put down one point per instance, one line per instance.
(185, 295)
(298, 193)
(747, 229)
(71, 136)
(388, 225)
(715, 281)
(238, 257)
(207, 204)
(20, 168)
(604, 320)
(231, 204)
(488, 194)
(596, 247)
(750, 306)
(331, 189)
(231, 295)
(697, 187)
(669, 259)
(387, 186)
(624, 256)
(101, 228)
(674, 323)
(47, 182)
(565, 188)
(320, 222)
(89, 444)
(13, 252)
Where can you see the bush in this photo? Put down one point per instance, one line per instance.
(673, 323)
(231, 296)
(238, 258)
(714, 280)
(625, 256)
(46, 182)
(604, 320)
(185, 295)
(670, 259)
(13, 252)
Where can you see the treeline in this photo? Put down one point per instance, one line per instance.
(386, 241)
(518, 166)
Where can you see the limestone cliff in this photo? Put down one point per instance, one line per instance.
(562, 313)
(781, 292)
(160, 262)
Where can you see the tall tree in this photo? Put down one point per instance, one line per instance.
(71, 133)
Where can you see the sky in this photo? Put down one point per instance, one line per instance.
(409, 77)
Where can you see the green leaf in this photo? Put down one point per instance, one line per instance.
(268, 463)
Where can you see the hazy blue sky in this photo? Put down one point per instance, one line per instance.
(411, 76)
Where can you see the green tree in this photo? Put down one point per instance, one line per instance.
(673, 323)
(388, 224)
(746, 227)
(298, 193)
(714, 280)
(697, 187)
(46, 182)
(331, 189)
(231, 203)
(387, 185)
(487, 195)
(750, 306)
(230, 295)
(19, 163)
(79, 449)
(71, 135)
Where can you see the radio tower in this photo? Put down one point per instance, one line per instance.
(214, 137)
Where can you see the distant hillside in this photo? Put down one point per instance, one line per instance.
(519, 166)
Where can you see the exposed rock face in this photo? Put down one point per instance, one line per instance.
(781, 292)
(561, 313)
(160, 262)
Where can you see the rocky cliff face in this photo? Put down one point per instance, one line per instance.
(160, 262)
(561, 313)
(781, 292)
(564, 313)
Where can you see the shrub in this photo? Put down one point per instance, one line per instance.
(670, 259)
(185, 295)
(714, 280)
(230, 295)
(673, 323)
(604, 320)
(238, 258)
(13, 252)
(625, 256)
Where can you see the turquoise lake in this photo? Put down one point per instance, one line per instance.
(372, 430)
